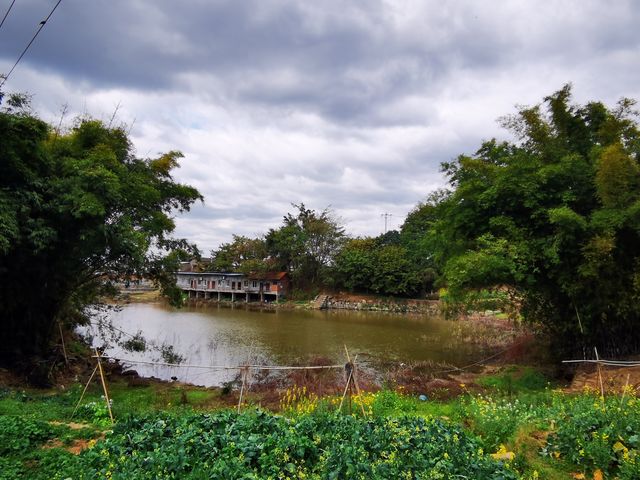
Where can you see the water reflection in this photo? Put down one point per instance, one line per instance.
(232, 336)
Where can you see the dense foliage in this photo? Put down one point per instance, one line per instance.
(381, 265)
(526, 432)
(305, 245)
(261, 446)
(586, 432)
(314, 249)
(76, 211)
(555, 216)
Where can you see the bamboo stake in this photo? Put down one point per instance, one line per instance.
(245, 375)
(624, 390)
(64, 349)
(355, 379)
(241, 390)
(600, 376)
(348, 385)
(85, 390)
(347, 352)
(344, 394)
(579, 321)
(104, 386)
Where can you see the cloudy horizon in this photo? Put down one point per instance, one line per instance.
(351, 105)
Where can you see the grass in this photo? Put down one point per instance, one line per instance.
(515, 379)
(126, 400)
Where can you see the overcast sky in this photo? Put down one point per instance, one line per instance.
(348, 104)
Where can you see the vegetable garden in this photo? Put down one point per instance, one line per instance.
(525, 435)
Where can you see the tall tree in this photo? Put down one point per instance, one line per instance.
(381, 265)
(556, 216)
(355, 264)
(306, 244)
(76, 210)
(242, 254)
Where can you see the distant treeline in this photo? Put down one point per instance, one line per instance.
(313, 247)
(551, 218)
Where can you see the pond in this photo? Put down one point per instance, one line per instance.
(228, 336)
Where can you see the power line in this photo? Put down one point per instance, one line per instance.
(42, 24)
(7, 14)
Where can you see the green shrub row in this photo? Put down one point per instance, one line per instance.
(259, 445)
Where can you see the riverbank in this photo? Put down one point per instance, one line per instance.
(337, 301)
(322, 301)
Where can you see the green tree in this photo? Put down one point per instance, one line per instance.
(554, 215)
(393, 273)
(306, 244)
(355, 264)
(421, 239)
(76, 211)
(379, 265)
(242, 254)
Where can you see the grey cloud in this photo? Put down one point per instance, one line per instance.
(232, 211)
(348, 64)
(349, 104)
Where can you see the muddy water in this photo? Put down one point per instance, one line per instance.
(231, 336)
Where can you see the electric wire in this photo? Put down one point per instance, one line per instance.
(7, 14)
(42, 24)
(609, 363)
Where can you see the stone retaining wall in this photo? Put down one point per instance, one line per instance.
(431, 307)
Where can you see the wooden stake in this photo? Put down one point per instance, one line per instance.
(104, 386)
(85, 390)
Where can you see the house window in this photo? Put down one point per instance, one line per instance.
(246, 283)
(254, 284)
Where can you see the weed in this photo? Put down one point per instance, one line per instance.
(96, 412)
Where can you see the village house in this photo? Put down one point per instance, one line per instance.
(233, 286)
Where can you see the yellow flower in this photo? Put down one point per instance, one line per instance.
(503, 454)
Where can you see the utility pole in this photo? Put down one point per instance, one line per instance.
(386, 216)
